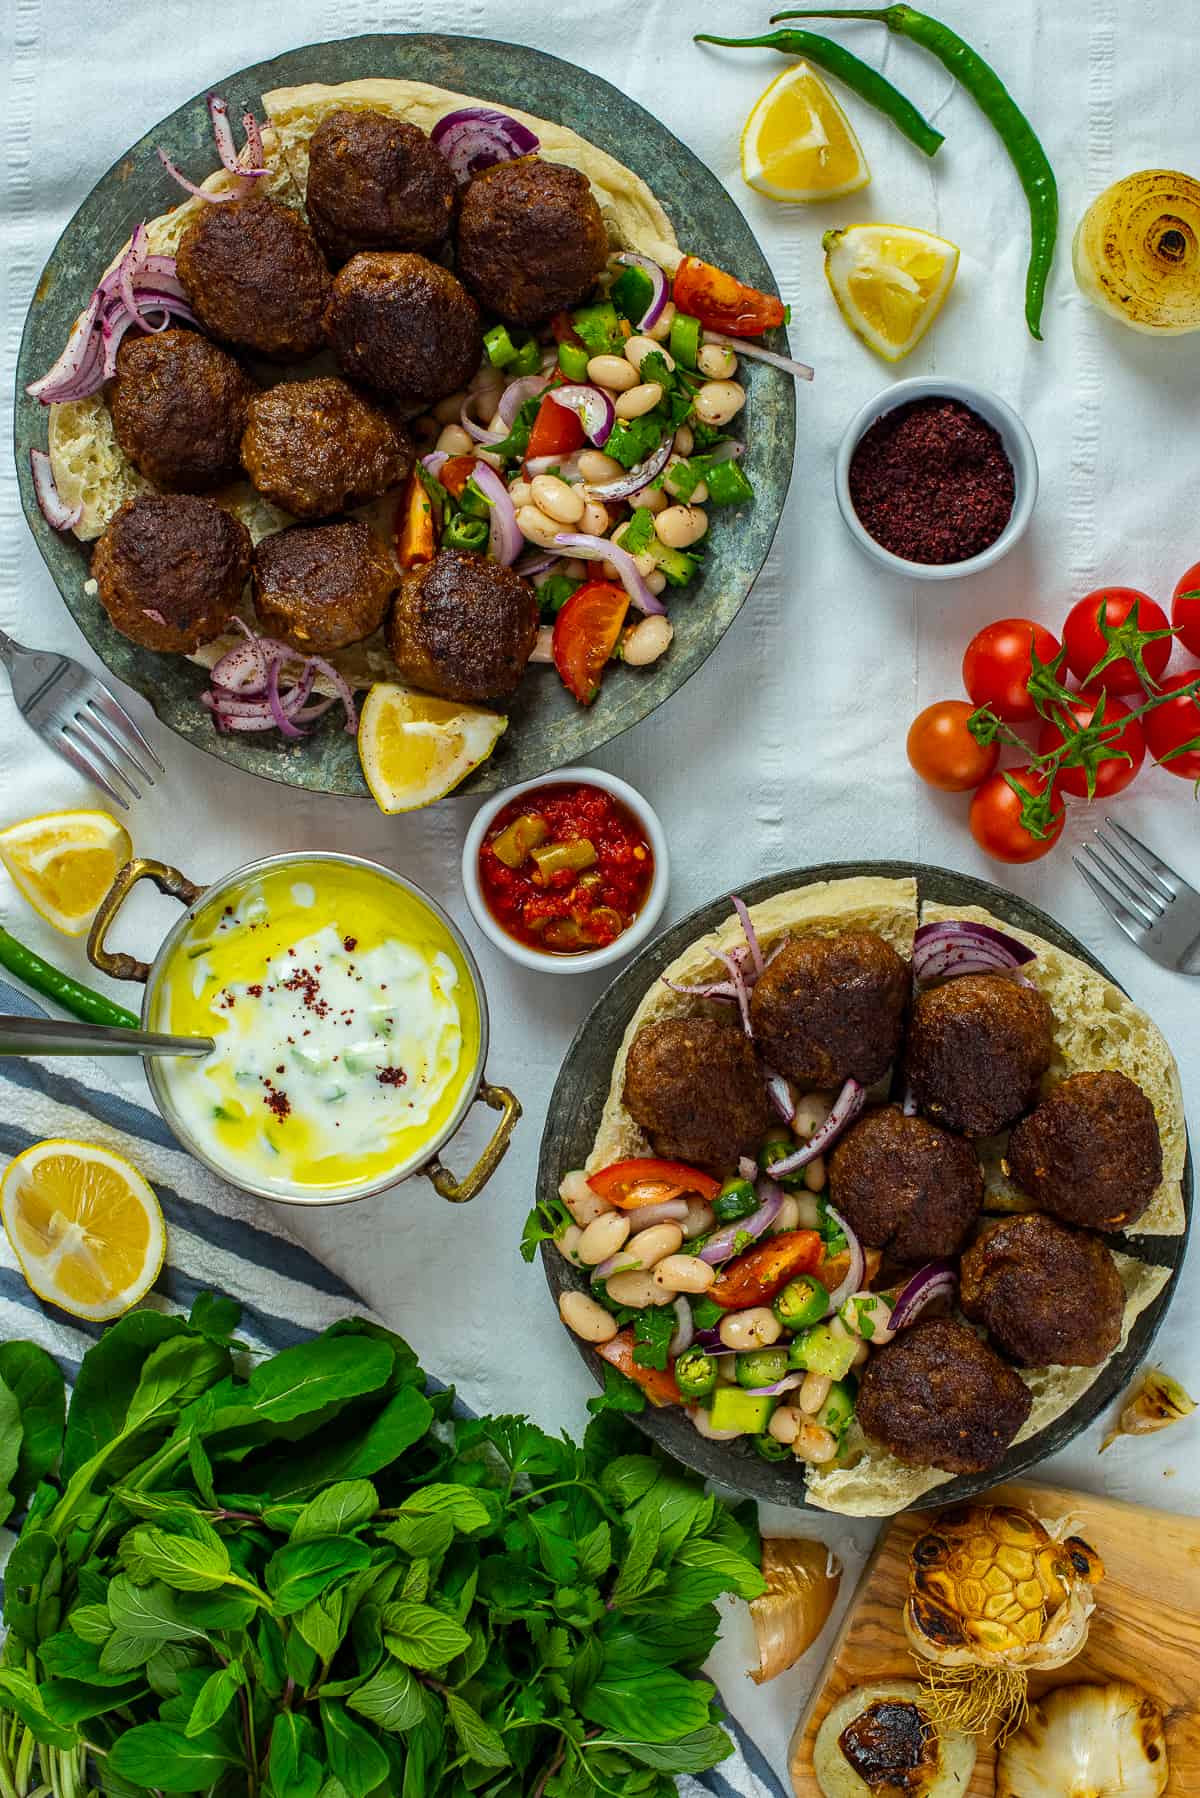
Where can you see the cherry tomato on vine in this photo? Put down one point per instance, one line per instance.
(1173, 724)
(1086, 646)
(1113, 774)
(998, 663)
(943, 751)
(996, 818)
(1185, 609)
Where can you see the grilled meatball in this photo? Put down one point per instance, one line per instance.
(255, 276)
(322, 586)
(376, 183)
(316, 447)
(178, 408)
(170, 570)
(937, 1396)
(463, 627)
(696, 1088)
(403, 325)
(1048, 1295)
(977, 1049)
(829, 1008)
(531, 239)
(1091, 1152)
(905, 1186)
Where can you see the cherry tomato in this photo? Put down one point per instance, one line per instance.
(998, 663)
(658, 1384)
(1185, 609)
(455, 472)
(757, 1276)
(585, 635)
(557, 431)
(723, 303)
(996, 819)
(1170, 725)
(943, 751)
(1085, 645)
(646, 1181)
(1112, 775)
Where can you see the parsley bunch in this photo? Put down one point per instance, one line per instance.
(308, 1579)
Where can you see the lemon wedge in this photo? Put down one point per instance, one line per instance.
(85, 1227)
(889, 282)
(415, 749)
(798, 144)
(64, 863)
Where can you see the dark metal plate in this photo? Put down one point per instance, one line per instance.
(574, 1116)
(547, 729)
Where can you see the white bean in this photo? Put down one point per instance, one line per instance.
(685, 441)
(595, 466)
(814, 1174)
(756, 1328)
(786, 1423)
(574, 569)
(656, 582)
(588, 1319)
(485, 455)
(815, 1445)
(698, 494)
(595, 520)
(716, 361)
(534, 525)
(454, 440)
(812, 1109)
(704, 1426)
(613, 372)
(581, 1201)
(639, 400)
(808, 1213)
(556, 499)
(520, 493)
(862, 1353)
(660, 330)
(837, 1328)
(633, 1287)
(681, 526)
(447, 411)
(638, 348)
(684, 1273)
(602, 1238)
(868, 1316)
(568, 1242)
(789, 1215)
(719, 401)
(699, 1220)
(653, 499)
(814, 1392)
(646, 642)
(650, 1246)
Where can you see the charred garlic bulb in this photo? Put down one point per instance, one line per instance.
(1158, 1402)
(1087, 1742)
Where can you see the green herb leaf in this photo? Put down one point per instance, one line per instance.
(163, 1759)
(652, 1332)
(37, 1384)
(647, 1703)
(355, 1757)
(181, 1562)
(215, 1697)
(343, 1507)
(619, 1394)
(391, 1698)
(477, 1739)
(303, 1570)
(421, 1636)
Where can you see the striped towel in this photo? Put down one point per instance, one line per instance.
(218, 1240)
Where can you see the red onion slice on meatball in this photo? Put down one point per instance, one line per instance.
(475, 137)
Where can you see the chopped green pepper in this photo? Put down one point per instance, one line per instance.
(736, 1199)
(500, 347)
(778, 1144)
(600, 329)
(462, 532)
(631, 439)
(577, 853)
(820, 1351)
(573, 360)
(747, 1412)
(838, 1408)
(802, 1302)
(770, 1449)
(678, 566)
(528, 358)
(631, 293)
(685, 339)
(727, 484)
(760, 1367)
(516, 841)
(695, 1373)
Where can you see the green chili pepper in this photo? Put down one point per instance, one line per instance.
(770, 1450)
(760, 1367)
(45, 978)
(736, 1199)
(501, 350)
(527, 359)
(802, 1302)
(997, 104)
(573, 360)
(461, 532)
(857, 75)
(695, 1373)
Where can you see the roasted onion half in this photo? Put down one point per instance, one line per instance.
(1137, 252)
(1087, 1742)
(803, 1577)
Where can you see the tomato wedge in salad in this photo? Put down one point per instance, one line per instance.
(723, 303)
(455, 473)
(586, 632)
(557, 431)
(658, 1384)
(647, 1181)
(757, 1276)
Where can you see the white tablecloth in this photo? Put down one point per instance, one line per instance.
(788, 747)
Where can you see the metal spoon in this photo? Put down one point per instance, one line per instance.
(49, 1036)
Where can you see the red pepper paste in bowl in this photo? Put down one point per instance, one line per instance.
(565, 868)
(931, 481)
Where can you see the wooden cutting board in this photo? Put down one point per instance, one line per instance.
(1145, 1628)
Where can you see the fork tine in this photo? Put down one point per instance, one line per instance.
(94, 721)
(1158, 868)
(98, 752)
(1136, 903)
(61, 742)
(115, 712)
(1144, 885)
(1120, 914)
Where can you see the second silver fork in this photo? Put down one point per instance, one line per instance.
(75, 715)
(1155, 907)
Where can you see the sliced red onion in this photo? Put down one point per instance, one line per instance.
(344, 693)
(132, 265)
(625, 485)
(747, 1167)
(710, 1341)
(720, 1247)
(936, 1280)
(153, 614)
(244, 693)
(601, 549)
(955, 946)
(191, 187)
(593, 408)
(667, 1211)
(434, 462)
(623, 1262)
(856, 1271)
(54, 508)
(505, 541)
(741, 991)
(756, 954)
(658, 298)
(283, 722)
(481, 433)
(77, 356)
(536, 564)
(788, 1383)
(716, 989)
(846, 1108)
(730, 449)
(780, 1095)
(543, 649)
(685, 1331)
(253, 154)
(753, 353)
(516, 393)
(475, 137)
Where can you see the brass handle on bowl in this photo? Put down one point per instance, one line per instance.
(168, 880)
(459, 1191)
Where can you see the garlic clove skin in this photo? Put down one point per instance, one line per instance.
(1158, 1402)
(1087, 1742)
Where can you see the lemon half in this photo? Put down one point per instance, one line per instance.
(890, 282)
(415, 749)
(85, 1227)
(64, 863)
(798, 144)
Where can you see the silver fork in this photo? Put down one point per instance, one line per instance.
(1154, 906)
(78, 717)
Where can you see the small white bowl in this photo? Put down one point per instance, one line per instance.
(1018, 446)
(591, 959)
